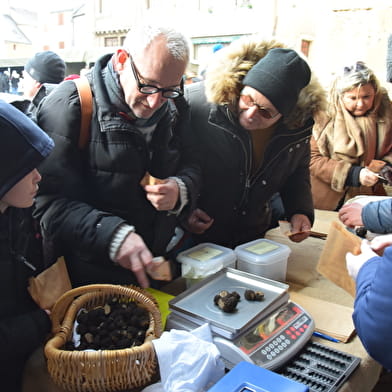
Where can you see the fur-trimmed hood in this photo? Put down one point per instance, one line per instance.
(229, 66)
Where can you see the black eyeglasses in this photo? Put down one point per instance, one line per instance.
(150, 89)
(358, 66)
(264, 112)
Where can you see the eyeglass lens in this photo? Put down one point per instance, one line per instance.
(262, 110)
(150, 89)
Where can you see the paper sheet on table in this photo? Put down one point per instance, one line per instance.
(332, 261)
(330, 318)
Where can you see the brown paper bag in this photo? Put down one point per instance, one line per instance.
(47, 287)
(332, 262)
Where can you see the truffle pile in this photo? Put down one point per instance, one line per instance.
(227, 301)
(115, 325)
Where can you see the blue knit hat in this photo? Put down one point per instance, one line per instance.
(280, 76)
(23, 146)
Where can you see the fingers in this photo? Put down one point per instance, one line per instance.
(199, 221)
(136, 257)
(202, 215)
(379, 243)
(164, 196)
(138, 263)
(367, 177)
(351, 215)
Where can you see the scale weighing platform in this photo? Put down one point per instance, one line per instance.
(267, 333)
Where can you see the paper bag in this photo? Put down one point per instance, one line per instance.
(332, 261)
(50, 284)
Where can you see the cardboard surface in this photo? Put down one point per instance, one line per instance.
(330, 318)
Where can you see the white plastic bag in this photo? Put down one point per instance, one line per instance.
(188, 361)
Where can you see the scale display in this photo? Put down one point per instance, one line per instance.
(272, 342)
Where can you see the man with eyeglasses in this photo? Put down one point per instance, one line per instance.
(252, 118)
(92, 206)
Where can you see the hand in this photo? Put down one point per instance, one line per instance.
(300, 227)
(367, 177)
(379, 243)
(355, 262)
(351, 214)
(199, 221)
(163, 196)
(135, 256)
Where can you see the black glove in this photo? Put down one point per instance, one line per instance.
(386, 172)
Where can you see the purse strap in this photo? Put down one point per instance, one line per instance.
(86, 109)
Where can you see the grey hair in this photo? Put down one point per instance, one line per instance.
(355, 76)
(140, 38)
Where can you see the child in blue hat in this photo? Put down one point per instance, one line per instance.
(23, 325)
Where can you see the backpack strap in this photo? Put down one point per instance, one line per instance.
(86, 109)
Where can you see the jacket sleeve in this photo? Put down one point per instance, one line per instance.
(62, 205)
(328, 170)
(22, 334)
(373, 307)
(377, 216)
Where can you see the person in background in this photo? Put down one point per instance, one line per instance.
(252, 120)
(41, 74)
(91, 204)
(356, 129)
(14, 81)
(372, 270)
(4, 82)
(23, 325)
(377, 215)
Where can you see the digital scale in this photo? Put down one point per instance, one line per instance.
(267, 333)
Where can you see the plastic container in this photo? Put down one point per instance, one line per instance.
(264, 258)
(246, 376)
(203, 260)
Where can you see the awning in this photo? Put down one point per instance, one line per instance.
(215, 40)
(10, 63)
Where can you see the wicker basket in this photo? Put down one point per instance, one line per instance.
(103, 370)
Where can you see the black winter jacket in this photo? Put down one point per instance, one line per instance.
(87, 193)
(23, 325)
(237, 200)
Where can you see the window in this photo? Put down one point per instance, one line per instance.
(60, 19)
(305, 46)
(111, 41)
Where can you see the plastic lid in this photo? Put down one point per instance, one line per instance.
(207, 254)
(262, 251)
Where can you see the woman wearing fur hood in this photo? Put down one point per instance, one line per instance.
(354, 131)
(252, 119)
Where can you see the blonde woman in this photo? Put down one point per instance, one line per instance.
(355, 129)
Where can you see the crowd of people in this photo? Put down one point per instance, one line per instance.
(259, 128)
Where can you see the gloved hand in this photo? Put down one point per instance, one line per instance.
(355, 262)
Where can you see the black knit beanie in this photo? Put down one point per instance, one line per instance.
(280, 76)
(46, 67)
